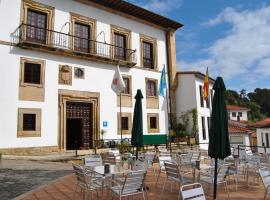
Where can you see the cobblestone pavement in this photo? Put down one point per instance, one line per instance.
(20, 176)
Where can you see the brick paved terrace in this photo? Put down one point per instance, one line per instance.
(63, 189)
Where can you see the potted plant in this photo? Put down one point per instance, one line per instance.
(124, 147)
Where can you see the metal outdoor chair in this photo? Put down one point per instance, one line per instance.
(221, 178)
(92, 160)
(192, 192)
(163, 157)
(87, 181)
(173, 174)
(132, 185)
(265, 176)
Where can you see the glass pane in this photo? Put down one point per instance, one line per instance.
(153, 123)
(32, 73)
(29, 122)
(124, 123)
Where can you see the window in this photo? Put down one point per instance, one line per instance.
(120, 46)
(127, 89)
(29, 122)
(82, 36)
(38, 18)
(32, 76)
(83, 29)
(125, 122)
(203, 128)
(36, 26)
(151, 89)
(153, 122)
(233, 114)
(201, 95)
(32, 73)
(208, 124)
(236, 140)
(120, 38)
(208, 102)
(267, 139)
(148, 55)
(240, 114)
(148, 52)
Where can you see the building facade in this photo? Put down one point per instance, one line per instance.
(58, 59)
(189, 94)
(237, 113)
(263, 135)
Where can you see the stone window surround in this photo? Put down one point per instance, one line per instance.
(152, 102)
(124, 132)
(20, 131)
(86, 21)
(153, 41)
(42, 72)
(122, 31)
(36, 6)
(126, 99)
(148, 122)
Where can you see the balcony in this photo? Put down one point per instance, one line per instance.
(32, 37)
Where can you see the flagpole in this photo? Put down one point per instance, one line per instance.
(121, 130)
(168, 112)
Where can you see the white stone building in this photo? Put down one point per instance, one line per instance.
(263, 135)
(189, 95)
(58, 58)
(237, 113)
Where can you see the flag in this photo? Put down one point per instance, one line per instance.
(206, 86)
(118, 84)
(162, 82)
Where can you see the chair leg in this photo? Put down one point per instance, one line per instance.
(158, 176)
(164, 186)
(227, 190)
(143, 195)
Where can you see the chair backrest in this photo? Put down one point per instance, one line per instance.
(222, 172)
(195, 156)
(80, 175)
(192, 191)
(149, 157)
(162, 158)
(93, 160)
(110, 158)
(265, 176)
(133, 182)
(139, 166)
(172, 171)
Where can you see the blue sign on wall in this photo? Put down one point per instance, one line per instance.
(105, 124)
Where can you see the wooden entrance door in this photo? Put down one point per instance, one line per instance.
(79, 125)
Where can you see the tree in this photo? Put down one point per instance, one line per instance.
(262, 98)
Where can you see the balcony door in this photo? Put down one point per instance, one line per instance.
(82, 37)
(120, 46)
(36, 26)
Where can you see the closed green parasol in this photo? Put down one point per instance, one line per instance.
(219, 143)
(137, 126)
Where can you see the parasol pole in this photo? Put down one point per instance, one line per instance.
(215, 180)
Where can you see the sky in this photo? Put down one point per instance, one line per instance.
(230, 37)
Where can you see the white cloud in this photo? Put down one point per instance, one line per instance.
(245, 48)
(158, 6)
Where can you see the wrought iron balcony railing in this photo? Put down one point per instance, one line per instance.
(35, 37)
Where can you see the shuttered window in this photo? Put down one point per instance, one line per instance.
(32, 73)
(148, 55)
(151, 88)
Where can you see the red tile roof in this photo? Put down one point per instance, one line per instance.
(233, 107)
(262, 124)
(235, 127)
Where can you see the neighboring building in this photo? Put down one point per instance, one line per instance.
(189, 95)
(263, 135)
(237, 113)
(240, 136)
(57, 63)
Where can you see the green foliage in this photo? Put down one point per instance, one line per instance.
(125, 147)
(262, 98)
(195, 124)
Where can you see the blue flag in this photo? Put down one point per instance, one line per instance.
(162, 83)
